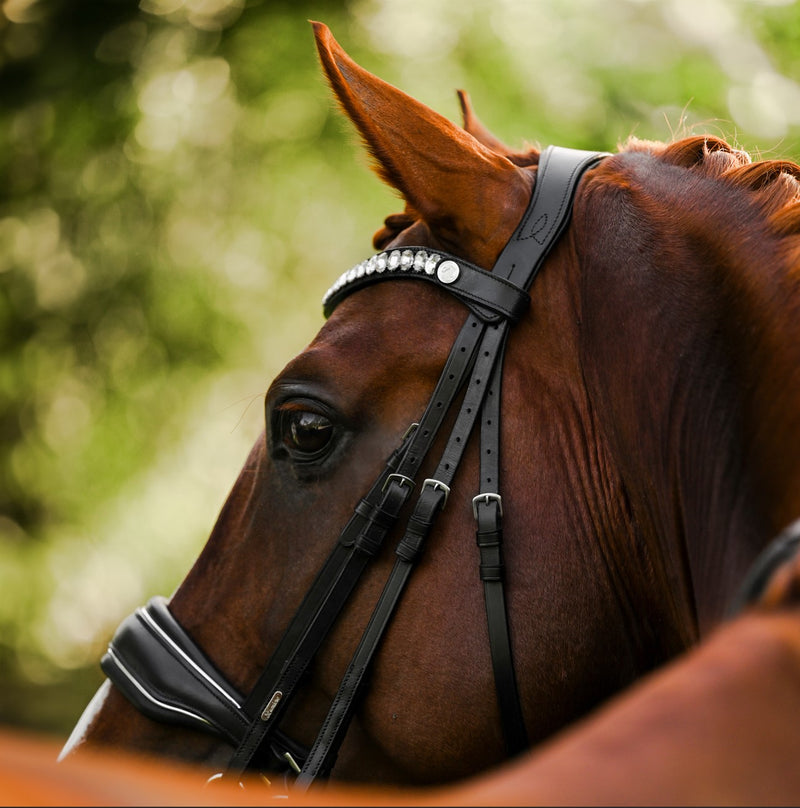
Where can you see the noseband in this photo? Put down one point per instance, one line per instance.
(166, 676)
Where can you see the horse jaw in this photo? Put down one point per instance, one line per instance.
(470, 196)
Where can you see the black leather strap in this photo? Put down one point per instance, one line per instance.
(548, 214)
(543, 222)
(488, 510)
(320, 609)
(429, 504)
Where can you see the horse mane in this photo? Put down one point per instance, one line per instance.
(774, 185)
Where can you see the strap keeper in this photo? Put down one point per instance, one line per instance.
(491, 572)
(411, 544)
(428, 505)
(488, 538)
(375, 514)
(369, 544)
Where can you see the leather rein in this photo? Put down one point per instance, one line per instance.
(160, 669)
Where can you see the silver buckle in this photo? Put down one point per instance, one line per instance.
(411, 429)
(437, 484)
(287, 756)
(487, 498)
(401, 478)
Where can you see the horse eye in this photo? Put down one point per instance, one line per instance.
(306, 434)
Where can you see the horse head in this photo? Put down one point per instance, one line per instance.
(649, 402)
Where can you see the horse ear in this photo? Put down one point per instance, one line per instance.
(475, 127)
(462, 189)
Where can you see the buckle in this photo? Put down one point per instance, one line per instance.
(486, 498)
(401, 478)
(437, 484)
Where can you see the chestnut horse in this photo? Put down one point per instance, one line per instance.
(650, 448)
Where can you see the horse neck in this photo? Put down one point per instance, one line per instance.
(693, 358)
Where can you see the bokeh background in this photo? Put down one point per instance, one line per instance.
(177, 191)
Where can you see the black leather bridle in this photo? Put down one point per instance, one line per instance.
(164, 674)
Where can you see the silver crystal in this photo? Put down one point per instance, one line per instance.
(431, 262)
(419, 261)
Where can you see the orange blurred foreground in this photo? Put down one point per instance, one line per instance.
(29, 775)
(718, 727)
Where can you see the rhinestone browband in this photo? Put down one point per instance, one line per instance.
(488, 295)
(394, 261)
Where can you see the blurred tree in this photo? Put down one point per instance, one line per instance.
(90, 320)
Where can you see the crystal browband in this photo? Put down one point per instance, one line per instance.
(489, 296)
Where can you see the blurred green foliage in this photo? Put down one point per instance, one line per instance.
(177, 191)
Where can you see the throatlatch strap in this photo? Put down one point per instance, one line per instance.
(541, 225)
(487, 508)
